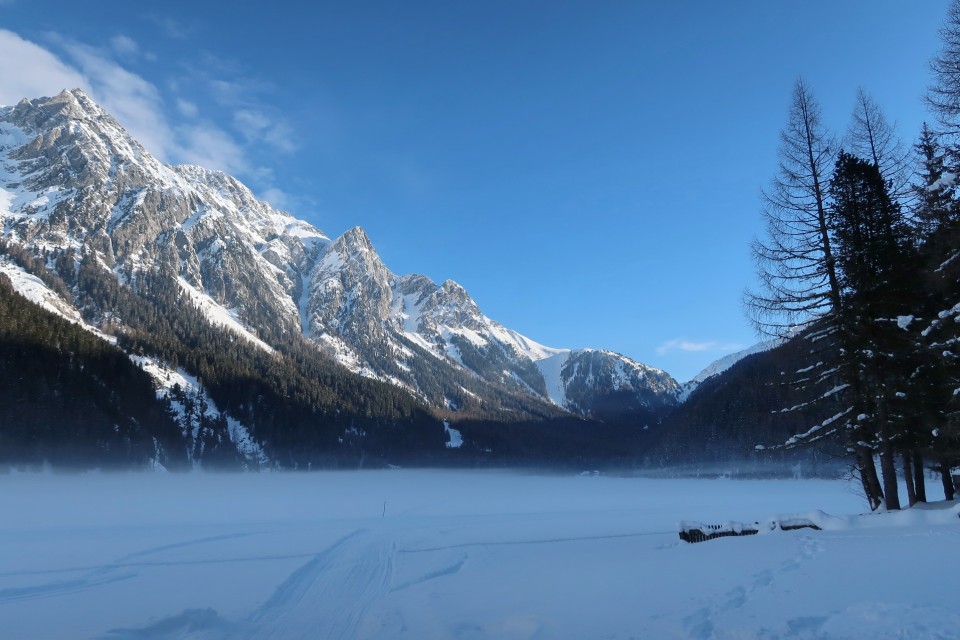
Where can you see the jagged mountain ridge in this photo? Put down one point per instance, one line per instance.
(719, 366)
(73, 180)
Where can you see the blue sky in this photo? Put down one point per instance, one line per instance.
(589, 171)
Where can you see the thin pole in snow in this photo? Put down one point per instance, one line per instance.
(384, 509)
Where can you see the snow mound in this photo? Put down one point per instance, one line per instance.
(922, 514)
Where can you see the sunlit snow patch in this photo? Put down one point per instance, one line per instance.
(456, 438)
(36, 291)
(166, 379)
(220, 316)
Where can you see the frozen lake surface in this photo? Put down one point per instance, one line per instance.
(460, 554)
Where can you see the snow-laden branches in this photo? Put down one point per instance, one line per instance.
(815, 432)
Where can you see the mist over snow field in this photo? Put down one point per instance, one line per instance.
(460, 554)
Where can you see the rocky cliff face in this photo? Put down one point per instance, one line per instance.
(75, 180)
(74, 184)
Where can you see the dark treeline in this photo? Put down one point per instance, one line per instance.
(751, 405)
(861, 251)
(568, 442)
(306, 410)
(70, 399)
(296, 402)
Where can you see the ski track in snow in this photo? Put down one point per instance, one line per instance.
(95, 576)
(451, 570)
(356, 569)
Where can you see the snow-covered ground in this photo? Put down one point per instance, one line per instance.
(441, 554)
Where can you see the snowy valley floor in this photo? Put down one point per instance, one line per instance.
(442, 554)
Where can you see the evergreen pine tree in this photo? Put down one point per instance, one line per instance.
(798, 273)
(874, 263)
(794, 261)
(934, 188)
(872, 137)
(943, 96)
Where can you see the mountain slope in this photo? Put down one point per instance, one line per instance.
(717, 367)
(751, 401)
(170, 260)
(73, 179)
(70, 399)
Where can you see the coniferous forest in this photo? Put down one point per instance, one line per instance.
(307, 410)
(858, 267)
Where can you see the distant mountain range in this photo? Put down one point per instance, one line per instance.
(262, 336)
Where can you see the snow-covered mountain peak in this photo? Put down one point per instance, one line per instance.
(70, 142)
(454, 288)
(70, 116)
(69, 104)
(72, 178)
(225, 187)
(235, 199)
(414, 284)
(453, 301)
(355, 240)
(310, 237)
(75, 103)
(352, 259)
(586, 380)
(213, 178)
(717, 367)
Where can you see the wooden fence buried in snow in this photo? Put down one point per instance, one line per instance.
(698, 532)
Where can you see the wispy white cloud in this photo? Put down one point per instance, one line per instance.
(682, 344)
(171, 28)
(252, 121)
(238, 92)
(175, 132)
(257, 126)
(187, 109)
(130, 98)
(207, 145)
(277, 198)
(30, 71)
(124, 45)
(228, 92)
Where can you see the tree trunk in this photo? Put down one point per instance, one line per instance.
(888, 467)
(948, 492)
(888, 463)
(908, 477)
(869, 479)
(919, 479)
